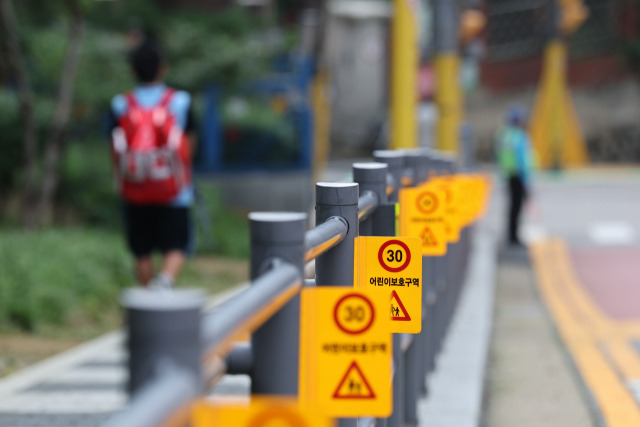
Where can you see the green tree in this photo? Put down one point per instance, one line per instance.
(41, 169)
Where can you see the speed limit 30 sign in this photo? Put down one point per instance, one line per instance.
(345, 352)
(393, 267)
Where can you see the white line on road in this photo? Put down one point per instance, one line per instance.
(612, 233)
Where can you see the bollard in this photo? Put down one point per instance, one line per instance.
(335, 267)
(416, 355)
(395, 161)
(163, 330)
(428, 338)
(417, 161)
(467, 146)
(371, 177)
(277, 237)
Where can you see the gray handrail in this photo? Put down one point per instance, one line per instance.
(160, 399)
(251, 307)
(367, 204)
(324, 236)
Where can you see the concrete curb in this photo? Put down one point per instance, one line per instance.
(457, 386)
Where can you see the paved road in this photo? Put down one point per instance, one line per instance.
(586, 228)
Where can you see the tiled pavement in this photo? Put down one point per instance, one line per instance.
(81, 387)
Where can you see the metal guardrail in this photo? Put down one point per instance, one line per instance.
(177, 352)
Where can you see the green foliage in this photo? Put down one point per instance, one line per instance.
(59, 276)
(87, 185)
(10, 144)
(257, 113)
(11, 140)
(200, 47)
(630, 49)
(230, 229)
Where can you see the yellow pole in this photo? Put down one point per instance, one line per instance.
(449, 100)
(404, 76)
(554, 127)
(321, 123)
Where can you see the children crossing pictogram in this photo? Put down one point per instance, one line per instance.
(354, 385)
(428, 237)
(398, 312)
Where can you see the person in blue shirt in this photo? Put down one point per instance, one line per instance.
(515, 158)
(166, 228)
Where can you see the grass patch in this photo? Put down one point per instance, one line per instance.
(221, 230)
(67, 281)
(69, 277)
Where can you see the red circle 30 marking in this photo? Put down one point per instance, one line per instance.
(358, 311)
(383, 260)
(427, 202)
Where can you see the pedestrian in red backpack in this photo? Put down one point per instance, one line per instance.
(151, 138)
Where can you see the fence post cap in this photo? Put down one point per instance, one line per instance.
(370, 165)
(277, 216)
(162, 300)
(277, 227)
(388, 154)
(395, 159)
(370, 173)
(337, 193)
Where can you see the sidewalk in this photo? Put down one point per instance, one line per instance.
(530, 380)
(81, 387)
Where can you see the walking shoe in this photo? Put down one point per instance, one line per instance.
(161, 282)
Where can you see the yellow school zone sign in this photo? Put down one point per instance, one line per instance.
(345, 352)
(422, 214)
(259, 412)
(393, 267)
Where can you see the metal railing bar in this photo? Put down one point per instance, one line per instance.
(324, 236)
(367, 204)
(163, 399)
(249, 309)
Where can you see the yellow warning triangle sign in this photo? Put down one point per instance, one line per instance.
(354, 385)
(428, 238)
(398, 312)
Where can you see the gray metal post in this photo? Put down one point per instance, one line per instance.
(395, 160)
(419, 163)
(335, 267)
(371, 177)
(384, 224)
(411, 381)
(162, 327)
(428, 338)
(277, 236)
(467, 146)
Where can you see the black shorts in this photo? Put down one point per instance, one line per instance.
(152, 228)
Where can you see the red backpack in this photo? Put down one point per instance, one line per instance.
(151, 154)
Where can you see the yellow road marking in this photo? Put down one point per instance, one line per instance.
(583, 326)
(625, 358)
